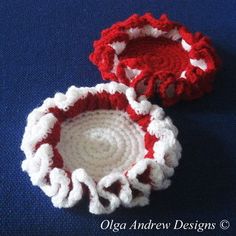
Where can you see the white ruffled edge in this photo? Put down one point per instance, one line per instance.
(167, 152)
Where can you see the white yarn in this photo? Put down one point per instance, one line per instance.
(187, 47)
(201, 63)
(131, 73)
(146, 30)
(143, 107)
(101, 141)
(118, 47)
(116, 157)
(173, 34)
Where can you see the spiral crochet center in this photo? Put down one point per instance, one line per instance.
(161, 54)
(100, 142)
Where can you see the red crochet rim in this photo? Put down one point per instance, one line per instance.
(156, 56)
(92, 102)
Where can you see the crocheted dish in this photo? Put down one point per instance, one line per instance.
(156, 56)
(100, 140)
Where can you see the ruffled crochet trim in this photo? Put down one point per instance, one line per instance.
(45, 163)
(156, 56)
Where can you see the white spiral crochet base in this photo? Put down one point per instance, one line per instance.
(101, 142)
(128, 144)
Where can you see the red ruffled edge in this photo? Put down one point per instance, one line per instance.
(197, 81)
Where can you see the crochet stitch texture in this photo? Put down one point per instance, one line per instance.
(103, 141)
(156, 56)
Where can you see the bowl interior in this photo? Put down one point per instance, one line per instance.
(101, 142)
(157, 54)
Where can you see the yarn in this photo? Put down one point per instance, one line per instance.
(156, 56)
(161, 54)
(101, 141)
(105, 138)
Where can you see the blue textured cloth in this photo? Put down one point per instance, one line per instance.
(44, 48)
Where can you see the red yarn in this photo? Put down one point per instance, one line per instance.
(92, 102)
(160, 54)
(149, 141)
(164, 65)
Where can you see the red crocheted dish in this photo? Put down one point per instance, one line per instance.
(156, 56)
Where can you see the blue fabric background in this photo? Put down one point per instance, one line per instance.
(44, 48)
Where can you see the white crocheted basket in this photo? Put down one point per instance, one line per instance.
(101, 140)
